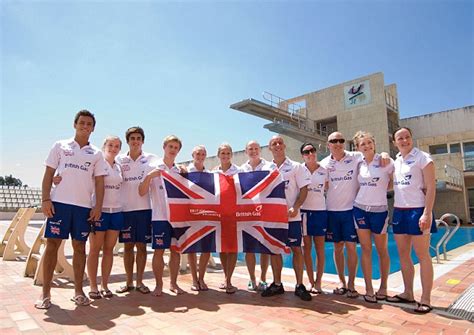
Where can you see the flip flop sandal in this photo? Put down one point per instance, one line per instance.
(370, 298)
(399, 299)
(380, 296)
(142, 289)
(81, 300)
(422, 308)
(203, 286)
(222, 286)
(231, 290)
(107, 293)
(340, 291)
(124, 289)
(315, 290)
(353, 294)
(195, 287)
(95, 295)
(43, 304)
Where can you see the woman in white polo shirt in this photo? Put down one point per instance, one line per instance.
(413, 221)
(199, 155)
(228, 259)
(314, 216)
(371, 213)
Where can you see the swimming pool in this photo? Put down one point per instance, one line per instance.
(463, 236)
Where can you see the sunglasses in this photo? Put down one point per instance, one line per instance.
(337, 140)
(309, 151)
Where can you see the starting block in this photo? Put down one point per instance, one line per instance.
(13, 243)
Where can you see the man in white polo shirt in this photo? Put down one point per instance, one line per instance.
(68, 205)
(297, 178)
(136, 209)
(162, 231)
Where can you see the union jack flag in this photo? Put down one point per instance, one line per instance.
(211, 212)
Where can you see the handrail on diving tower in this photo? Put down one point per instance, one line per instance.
(443, 241)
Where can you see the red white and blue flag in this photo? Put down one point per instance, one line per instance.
(211, 212)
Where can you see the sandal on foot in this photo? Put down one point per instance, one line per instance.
(315, 290)
(43, 304)
(81, 300)
(422, 308)
(124, 289)
(399, 299)
(352, 294)
(251, 286)
(195, 287)
(222, 286)
(203, 286)
(231, 289)
(370, 298)
(95, 295)
(142, 289)
(107, 293)
(340, 291)
(380, 296)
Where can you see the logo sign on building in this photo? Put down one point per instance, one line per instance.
(357, 94)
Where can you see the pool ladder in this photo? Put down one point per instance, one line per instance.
(448, 234)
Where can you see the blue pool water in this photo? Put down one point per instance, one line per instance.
(462, 237)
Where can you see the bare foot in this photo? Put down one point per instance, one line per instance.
(176, 289)
(157, 291)
(202, 285)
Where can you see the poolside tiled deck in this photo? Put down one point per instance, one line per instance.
(215, 312)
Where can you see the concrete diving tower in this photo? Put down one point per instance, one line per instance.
(288, 119)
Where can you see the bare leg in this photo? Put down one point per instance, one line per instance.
(50, 259)
(175, 259)
(308, 259)
(230, 266)
(141, 262)
(298, 264)
(108, 256)
(96, 241)
(223, 257)
(79, 265)
(421, 244)
(251, 261)
(365, 239)
(404, 243)
(194, 273)
(384, 261)
(203, 260)
(128, 261)
(351, 263)
(264, 262)
(319, 245)
(339, 261)
(277, 265)
(158, 265)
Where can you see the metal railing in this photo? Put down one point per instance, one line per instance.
(443, 241)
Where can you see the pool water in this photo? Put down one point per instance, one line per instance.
(461, 237)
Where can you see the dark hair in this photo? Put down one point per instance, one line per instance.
(84, 112)
(305, 144)
(133, 130)
(398, 129)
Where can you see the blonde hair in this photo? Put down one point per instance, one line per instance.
(360, 135)
(111, 138)
(197, 148)
(172, 138)
(224, 146)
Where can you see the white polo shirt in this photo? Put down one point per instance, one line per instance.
(133, 172)
(296, 177)
(408, 182)
(159, 209)
(230, 171)
(373, 182)
(192, 168)
(77, 166)
(315, 201)
(246, 167)
(343, 184)
(113, 184)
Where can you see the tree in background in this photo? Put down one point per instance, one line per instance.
(10, 181)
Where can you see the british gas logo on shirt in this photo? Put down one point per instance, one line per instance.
(405, 180)
(134, 178)
(82, 167)
(317, 189)
(371, 183)
(347, 176)
(90, 151)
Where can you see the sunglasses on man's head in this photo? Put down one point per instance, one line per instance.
(309, 151)
(337, 140)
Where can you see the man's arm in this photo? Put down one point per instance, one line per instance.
(46, 204)
(96, 211)
(293, 211)
(145, 184)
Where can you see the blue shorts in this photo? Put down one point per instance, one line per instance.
(162, 233)
(68, 220)
(137, 227)
(110, 221)
(315, 223)
(405, 221)
(341, 227)
(294, 234)
(377, 223)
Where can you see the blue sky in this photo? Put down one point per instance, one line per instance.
(175, 67)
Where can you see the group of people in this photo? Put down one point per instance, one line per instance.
(341, 199)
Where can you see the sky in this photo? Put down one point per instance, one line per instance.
(176, 67)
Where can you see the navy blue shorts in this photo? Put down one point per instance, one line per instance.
(68, 220)
(294, 234)
(405, 221)
(110, 221)
(137, 227)
(162, 233)
(315, 223)
(377, 223)
(341, 227)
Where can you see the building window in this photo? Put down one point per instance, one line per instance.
(468, 148)
(438, 149)
(454, 148)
